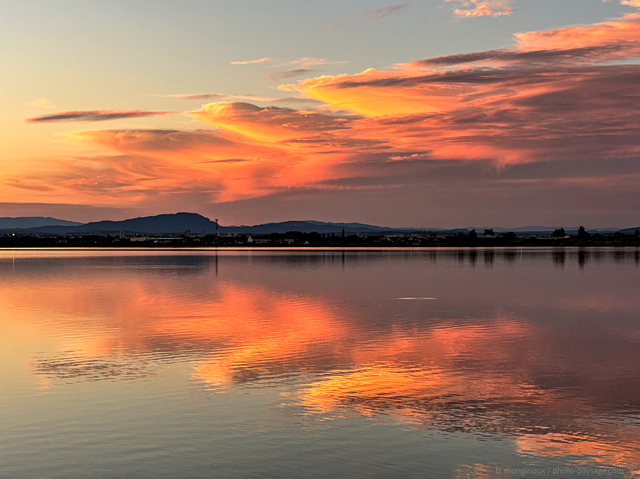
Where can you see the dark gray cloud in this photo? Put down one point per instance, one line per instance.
(286, 74)
(199, 96)
(588, 54)
(384, 12)
(95, 115)
(255, 98)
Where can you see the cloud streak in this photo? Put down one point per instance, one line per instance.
(312, 61)
(224, 96)
(384, 12)
(252, 62)
(95, 115)
(286, 74)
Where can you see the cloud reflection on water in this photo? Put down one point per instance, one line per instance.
(555, 371)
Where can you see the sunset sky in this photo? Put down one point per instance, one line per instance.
(430, 113)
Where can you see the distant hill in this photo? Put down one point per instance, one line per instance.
(176, 223)
(181, 222)
(306, 227)
(33, 222)
(173, 223)
(629, 231)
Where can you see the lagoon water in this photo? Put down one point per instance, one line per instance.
(396, 363)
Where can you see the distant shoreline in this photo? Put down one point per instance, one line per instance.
(316, 240)
(320, 248)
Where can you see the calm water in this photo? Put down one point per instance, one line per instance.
(452, 364)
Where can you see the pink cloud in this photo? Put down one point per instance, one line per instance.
(483, 8)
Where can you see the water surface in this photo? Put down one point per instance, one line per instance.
(417, 363)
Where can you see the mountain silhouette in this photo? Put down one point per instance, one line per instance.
(33, 222)
(160, 224)
(180, 222)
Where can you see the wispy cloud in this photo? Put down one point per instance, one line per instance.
(312, 62)
(483, 8)
(286, 74)
(224, 96)
(41, 103)
(198, 96)
(95, 115)
(384, 12)
(251, 62)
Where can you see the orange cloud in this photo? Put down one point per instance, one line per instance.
(630, 3)
(558, 95)
(255, 151)
(563, 94)
(127, 179)
(447, 83)
(272, 125)
(188, 159)
(619, 39)
(361, 94)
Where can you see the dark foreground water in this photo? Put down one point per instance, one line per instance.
(448, 363)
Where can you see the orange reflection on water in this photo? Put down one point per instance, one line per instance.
(497, 374)
(261, 333)
(410, 371)
(617, 447)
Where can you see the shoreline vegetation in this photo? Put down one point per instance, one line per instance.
(299, 239)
